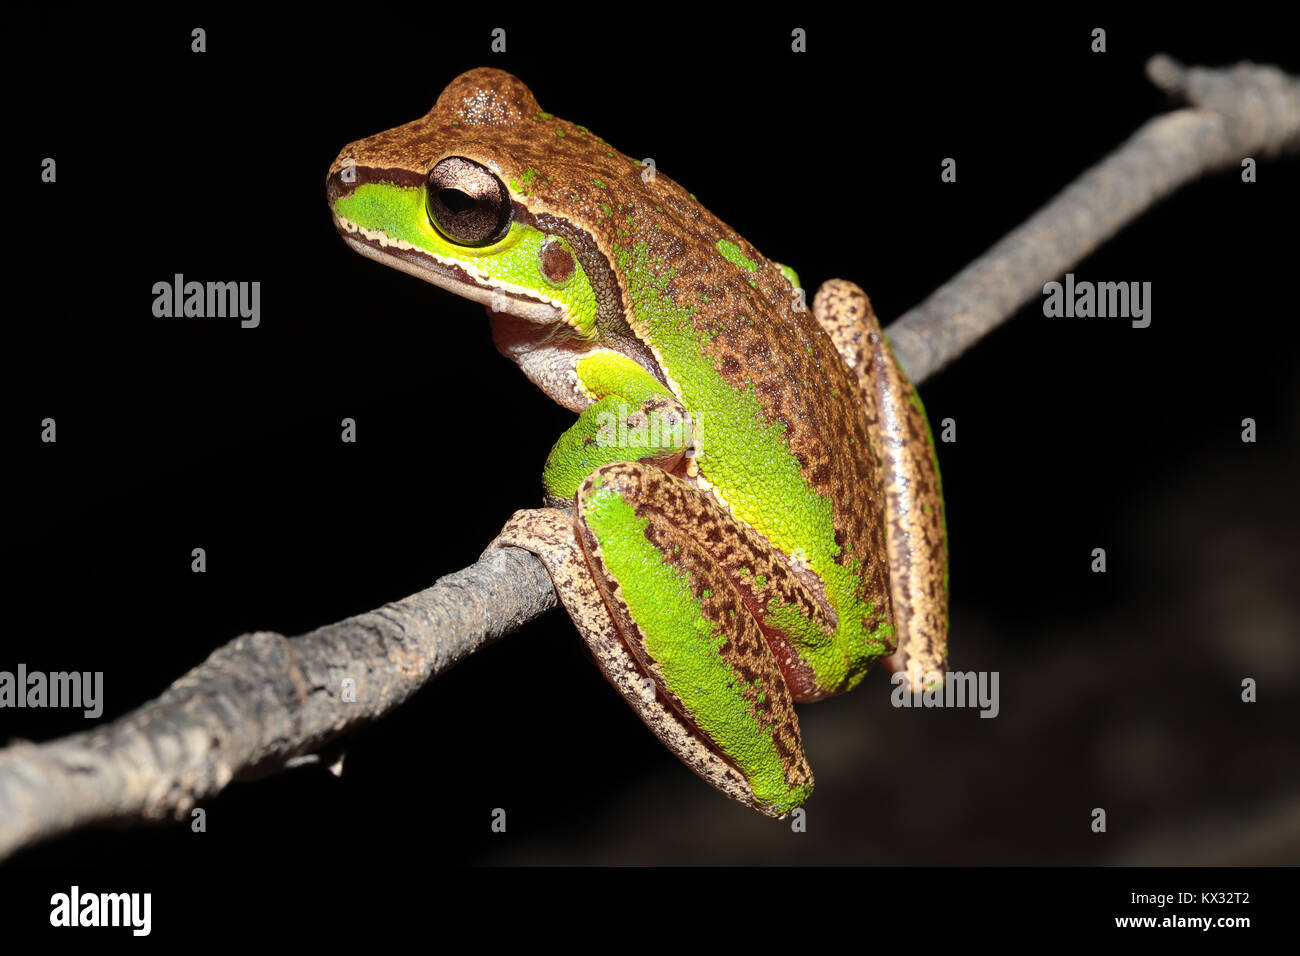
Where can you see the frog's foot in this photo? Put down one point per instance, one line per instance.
(632, 417)
(611, 429)
(671, 631)
(550, 535)
(914, 517)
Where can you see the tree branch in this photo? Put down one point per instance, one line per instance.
(1240, 111)
(264, 701)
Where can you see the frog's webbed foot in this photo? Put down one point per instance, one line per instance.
(670, 630)
(914, 516)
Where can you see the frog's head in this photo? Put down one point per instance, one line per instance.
(493, 199)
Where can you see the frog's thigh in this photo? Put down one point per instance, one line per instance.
(549, 534)
(650, 539)
(917, 541)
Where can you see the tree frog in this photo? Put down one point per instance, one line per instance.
(746, 512)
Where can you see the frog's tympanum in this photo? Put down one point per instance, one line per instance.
(746, 513)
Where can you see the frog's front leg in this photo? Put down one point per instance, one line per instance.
(632, 417)
(652, 571)
(914, 515)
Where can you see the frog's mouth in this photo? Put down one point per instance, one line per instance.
(450, 276)
(443, 272)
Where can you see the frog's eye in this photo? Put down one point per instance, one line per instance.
(467, 203)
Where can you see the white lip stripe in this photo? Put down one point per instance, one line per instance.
(480, 287)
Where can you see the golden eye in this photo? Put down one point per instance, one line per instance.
(467, 203)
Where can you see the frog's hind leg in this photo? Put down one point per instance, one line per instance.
(552, 535)
(687, 586)
(668, 591)
(914, 515)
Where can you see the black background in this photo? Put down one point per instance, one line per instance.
(1119, 691)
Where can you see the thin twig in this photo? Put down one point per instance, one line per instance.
(264, 701)
(1242, 111)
